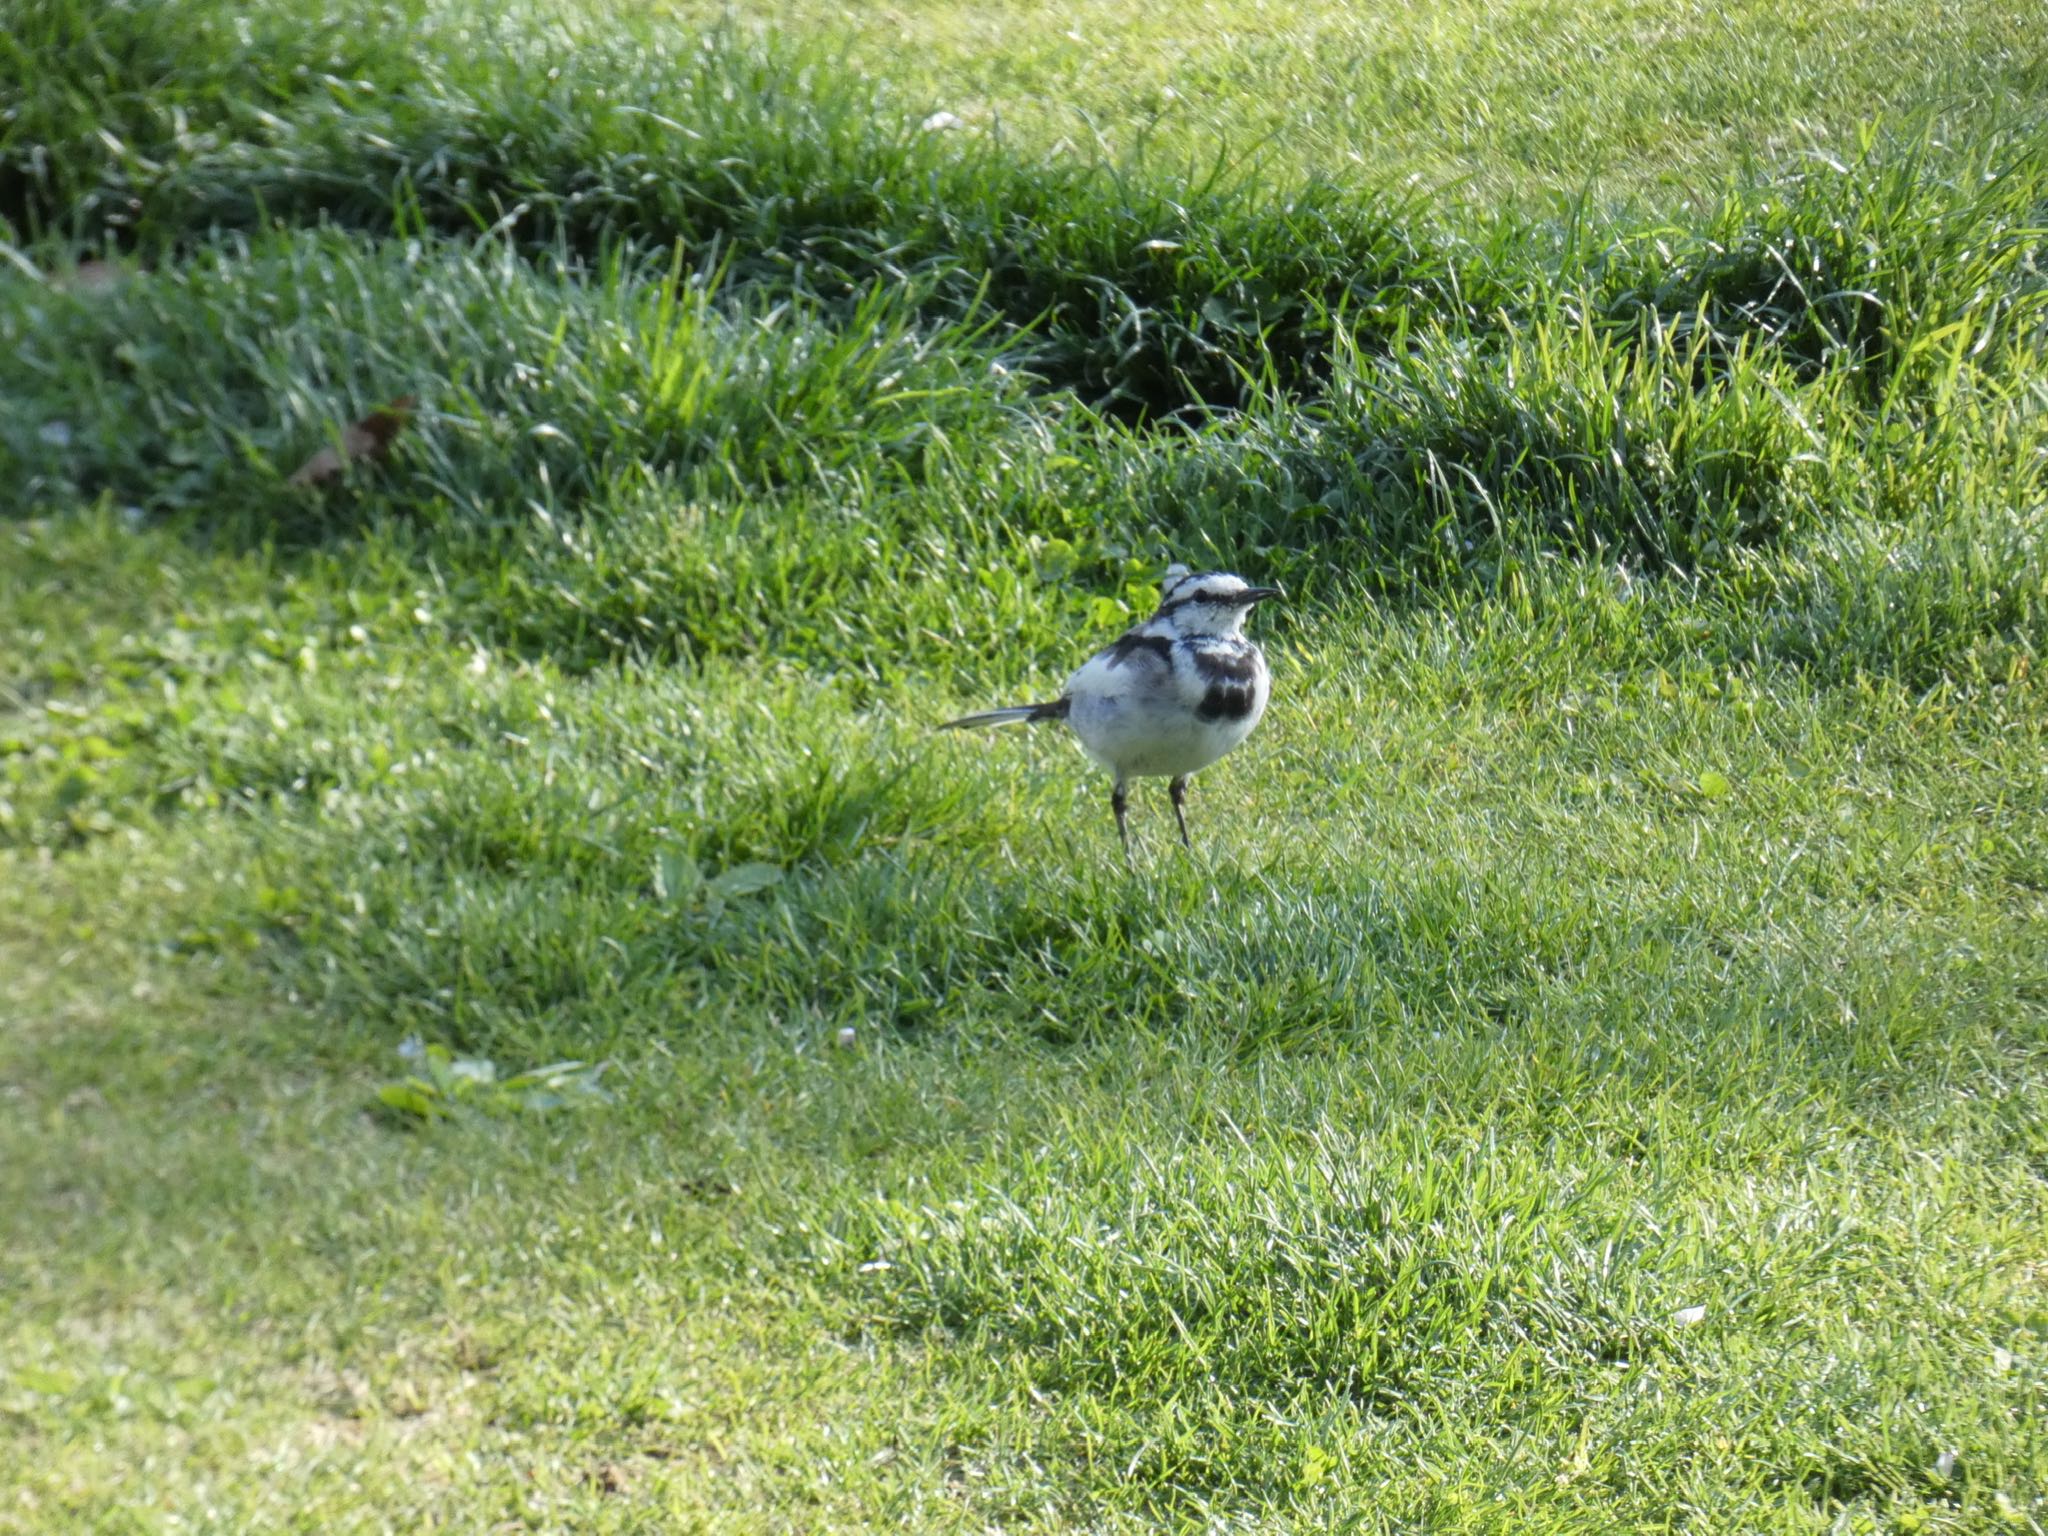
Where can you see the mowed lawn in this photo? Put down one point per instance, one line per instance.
(1589, 1074)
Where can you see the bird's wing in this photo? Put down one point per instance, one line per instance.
(1135, 657)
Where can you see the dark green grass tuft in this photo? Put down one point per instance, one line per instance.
(1151, 287)
(1149, 296)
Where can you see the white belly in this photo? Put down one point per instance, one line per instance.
(1147, 732)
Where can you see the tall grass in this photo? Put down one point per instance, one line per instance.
(1149, 287)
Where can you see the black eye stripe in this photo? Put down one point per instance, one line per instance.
(1220, 599)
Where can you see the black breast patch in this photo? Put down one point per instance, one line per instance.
(1237, 663)
(1225, 701)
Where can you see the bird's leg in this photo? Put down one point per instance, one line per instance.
(1120, 802)
(1178, 790)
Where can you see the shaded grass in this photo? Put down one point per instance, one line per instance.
(1155, 287)
(815, 181)
(636, 462)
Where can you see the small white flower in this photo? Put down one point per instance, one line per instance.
(1685, 1317)
(846, 1037)
(938, 122)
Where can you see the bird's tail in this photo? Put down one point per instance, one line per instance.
(1056, 710)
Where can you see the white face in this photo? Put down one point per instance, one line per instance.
(1212, 603)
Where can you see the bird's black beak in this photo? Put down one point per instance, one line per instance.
(1261, 594)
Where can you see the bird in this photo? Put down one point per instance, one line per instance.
(1166, 698)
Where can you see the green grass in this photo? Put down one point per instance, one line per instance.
(1589, 1074)
(1509, 100)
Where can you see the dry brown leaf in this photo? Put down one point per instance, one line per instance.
(367, 440)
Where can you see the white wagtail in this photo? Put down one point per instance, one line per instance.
(1170, 696)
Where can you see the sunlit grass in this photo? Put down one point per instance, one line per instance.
(1516, 100)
